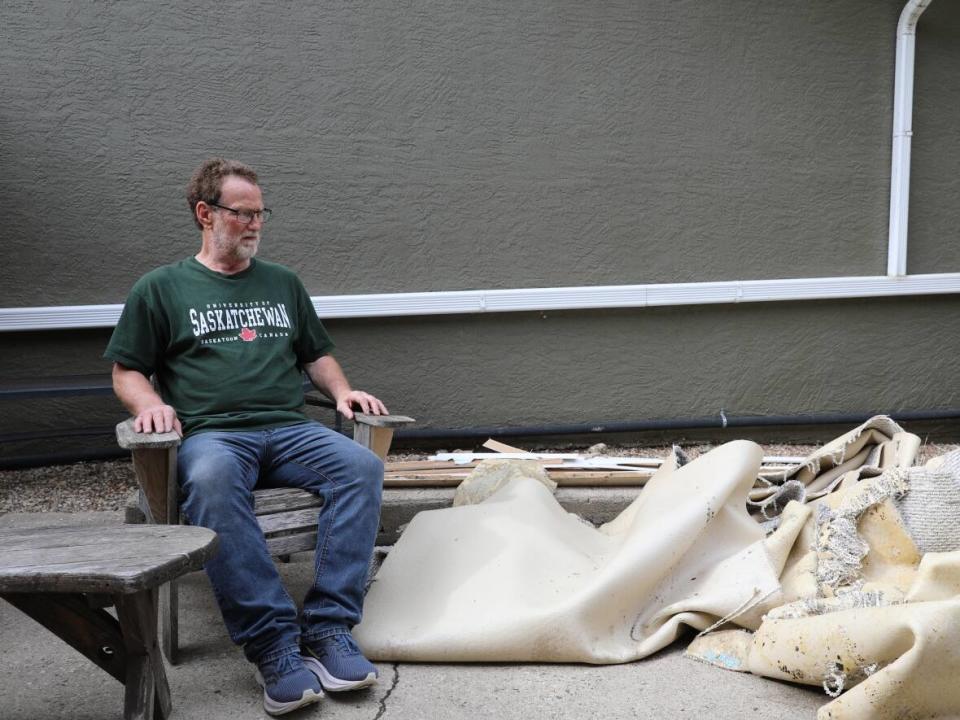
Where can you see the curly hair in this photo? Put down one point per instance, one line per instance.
(207, 181)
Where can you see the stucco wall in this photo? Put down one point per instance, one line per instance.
(445, 145)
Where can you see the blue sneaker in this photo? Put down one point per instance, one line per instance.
(339, 664)
(287, 684)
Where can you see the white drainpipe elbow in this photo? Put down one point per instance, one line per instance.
(902, 132)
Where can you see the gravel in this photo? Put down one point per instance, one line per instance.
(80, 487)
(101, 486)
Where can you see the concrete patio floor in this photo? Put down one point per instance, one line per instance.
(41, 677)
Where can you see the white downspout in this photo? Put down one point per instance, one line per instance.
(902, 132)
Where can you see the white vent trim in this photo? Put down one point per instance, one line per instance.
(538, 299)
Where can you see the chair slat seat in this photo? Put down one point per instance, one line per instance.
(274, 500)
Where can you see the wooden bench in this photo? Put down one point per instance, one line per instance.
(64, 578)
(287, 516)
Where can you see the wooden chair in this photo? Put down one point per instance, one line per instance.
(287, 516)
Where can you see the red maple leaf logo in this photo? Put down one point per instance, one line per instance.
(247, 334)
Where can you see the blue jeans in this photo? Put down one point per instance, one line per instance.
(218, 472)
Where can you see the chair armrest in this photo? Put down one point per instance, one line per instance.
(387, 421)
(130, 439)
(155, 465)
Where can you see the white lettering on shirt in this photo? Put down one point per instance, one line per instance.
(219, 322)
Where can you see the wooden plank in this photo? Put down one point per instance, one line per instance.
(384, 421)
(604, 463)
(601, 479)
(168, 607)
(441, 466)
(119, 539)
(130, 439)
(501, 449)
(86, 630)
(98, 600)
(445, 477)
(498, 446)
(153, 471)
(624, 477)
(286, 544)
(376, 439)
(109, 559)
(413, 480)
(173, 488)
(591, 474)
(299, 520)
(451, 470)
(139, 692)
(401, 465)
(552, 473)
(380, 440)
(464, 471)
(773, 474)
(147, 690)
(275, 500)
(464, 458)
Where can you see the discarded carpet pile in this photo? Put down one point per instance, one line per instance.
(846, 574)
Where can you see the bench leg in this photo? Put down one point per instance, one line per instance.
(147, 692)
(140, 691)
(169, 624)
(125, 647)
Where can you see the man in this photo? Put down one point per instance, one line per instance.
(227, 337)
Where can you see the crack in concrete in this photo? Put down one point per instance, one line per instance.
(393, 685)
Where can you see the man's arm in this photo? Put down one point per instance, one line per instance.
(136, 393)
(325, 372)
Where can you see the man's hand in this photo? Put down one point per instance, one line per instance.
(364, 401)
(150, 413)
(158, 418)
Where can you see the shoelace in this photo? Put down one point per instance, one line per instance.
(283, 665)
(346, 644)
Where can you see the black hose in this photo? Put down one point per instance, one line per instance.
(710, 421)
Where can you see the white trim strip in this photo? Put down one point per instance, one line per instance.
(531, 299)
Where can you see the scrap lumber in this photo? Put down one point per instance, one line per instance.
(566, 469)
(498, 446)
(563, 479)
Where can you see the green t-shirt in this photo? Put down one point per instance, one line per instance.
(227, 350)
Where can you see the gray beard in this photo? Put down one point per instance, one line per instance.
(238, 250)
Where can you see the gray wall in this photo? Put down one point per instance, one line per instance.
(444, 145)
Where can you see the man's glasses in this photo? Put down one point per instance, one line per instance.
(246, 216)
